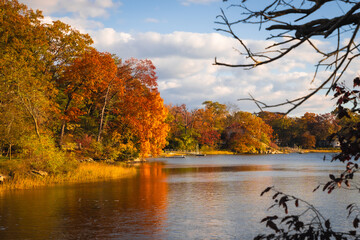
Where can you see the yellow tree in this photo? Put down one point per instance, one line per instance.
(32, 56)
(23, 48)
(247, 133)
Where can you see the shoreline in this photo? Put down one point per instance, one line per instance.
(84, 173)
(88, 172)
(224, 152)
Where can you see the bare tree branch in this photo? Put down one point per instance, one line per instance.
(294, 35)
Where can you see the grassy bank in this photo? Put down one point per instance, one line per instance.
(207, 152)
(218, 152)
(281, 150)
(85, 172)
(321, 150)
(317, 150)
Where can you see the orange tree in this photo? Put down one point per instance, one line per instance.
(209, 123)
(247, 133)
(52, 83)
(85, 83)
(137, 122)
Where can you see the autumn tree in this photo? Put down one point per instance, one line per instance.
(53, 83)
(210, 123)
(23, 47)
(282, 125)
(138, 117)
(86, 83)
(65, 44)
(247, 133)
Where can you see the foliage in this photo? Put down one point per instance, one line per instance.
(42, 154)
(210, 123)
(283, 126)
(308, 131)
(119, 102)
(308, 140)
(139, 116)
(247, 133)
(242, 132)
(182, 134)
(58, 96)
(297, 225)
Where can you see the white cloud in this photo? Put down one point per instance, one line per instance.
(108, 37)
(79, 8)
(80, 14)
(81, 24)
(186, 74)
(191, 45)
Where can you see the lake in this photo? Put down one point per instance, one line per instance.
(212, 197)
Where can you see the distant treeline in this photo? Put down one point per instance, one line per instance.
(217, 127)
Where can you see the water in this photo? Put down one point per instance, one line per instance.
(213, 197)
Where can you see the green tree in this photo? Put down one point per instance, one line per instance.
(283, 126)
(182, 133)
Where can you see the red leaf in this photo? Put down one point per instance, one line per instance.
(357, 82)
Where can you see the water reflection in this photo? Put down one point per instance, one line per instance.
(215, 199)
(128, 209)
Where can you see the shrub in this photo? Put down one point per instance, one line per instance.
(42, 154)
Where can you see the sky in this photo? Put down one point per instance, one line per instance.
(179, 37)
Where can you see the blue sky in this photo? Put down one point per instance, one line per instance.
(179, 37)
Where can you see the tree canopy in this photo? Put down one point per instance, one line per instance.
(59, 93)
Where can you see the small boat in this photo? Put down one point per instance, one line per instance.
(176, 156)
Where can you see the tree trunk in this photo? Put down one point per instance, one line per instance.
(31, 110)
(10, 151)
(62, 132)
(103, 113)
(36, 125)
(63, 124)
